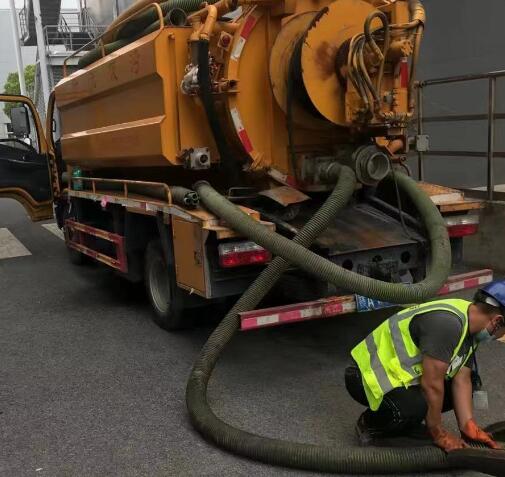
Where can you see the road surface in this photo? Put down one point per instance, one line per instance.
(90, 386)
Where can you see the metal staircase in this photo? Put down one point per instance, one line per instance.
(50, 12)
(65, 31)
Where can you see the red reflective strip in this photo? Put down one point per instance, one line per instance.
(324, 308)
(244, 139)
(458, 282)
(404, 73)
(332, 309)
(328, 307)
(248, 26)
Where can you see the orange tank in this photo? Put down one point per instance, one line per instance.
(291, 82)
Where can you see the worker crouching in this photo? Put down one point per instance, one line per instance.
(420, 363)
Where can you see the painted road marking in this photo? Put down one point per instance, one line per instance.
(10, 246)
(55, 230)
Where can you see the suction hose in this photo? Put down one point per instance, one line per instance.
(183, 196)
(275, 451)
(326, 270)
(139, 26)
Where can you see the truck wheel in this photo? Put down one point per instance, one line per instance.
(166, 298)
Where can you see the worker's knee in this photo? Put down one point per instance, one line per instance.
(354, 385)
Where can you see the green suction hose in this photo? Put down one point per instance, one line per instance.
(139, 26)
(275, 451)
(326, 270)
(146, 18)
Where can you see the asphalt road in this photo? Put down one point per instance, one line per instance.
(90, 386)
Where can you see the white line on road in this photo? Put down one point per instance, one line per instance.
(10, 246)
(54, 229)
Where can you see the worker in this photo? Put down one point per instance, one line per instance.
(420, 363)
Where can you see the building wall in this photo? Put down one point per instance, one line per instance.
(7, 55)
(462, 36)
(104, 11)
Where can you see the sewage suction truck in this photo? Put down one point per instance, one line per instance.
(252, 148)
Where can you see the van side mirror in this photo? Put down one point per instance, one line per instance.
(20, 121)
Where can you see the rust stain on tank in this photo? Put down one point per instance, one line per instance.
(325, 59)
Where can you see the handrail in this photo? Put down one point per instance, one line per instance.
(462, 78)
(24, 22)
(68, 38)
(91, 25)
(161, 19)
(492, 116)
(125, 183)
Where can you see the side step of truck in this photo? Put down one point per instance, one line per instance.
(75, 233)
(342, 305)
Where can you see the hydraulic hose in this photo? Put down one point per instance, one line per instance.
(183, 196)
(230, 164)
(324, 269)
(275, 451)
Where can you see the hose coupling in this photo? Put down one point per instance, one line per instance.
(370, 164)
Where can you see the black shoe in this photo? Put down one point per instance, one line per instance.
(366, 434)
(418, 431)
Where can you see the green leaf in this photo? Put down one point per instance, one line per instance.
(11, 86)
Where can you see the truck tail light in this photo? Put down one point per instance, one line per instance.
(238, 254)
(462, 225)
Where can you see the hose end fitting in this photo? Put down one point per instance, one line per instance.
(200, 183)
(371, 165)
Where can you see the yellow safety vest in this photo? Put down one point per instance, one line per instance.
(388, 358)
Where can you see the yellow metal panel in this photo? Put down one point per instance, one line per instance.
(189, 255)
(192, 121)
(122, 109)
(135, 143)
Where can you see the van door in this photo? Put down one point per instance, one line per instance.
(24, 157)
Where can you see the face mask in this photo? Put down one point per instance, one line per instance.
(484, 336)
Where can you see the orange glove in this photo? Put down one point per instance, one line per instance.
(472, 432)
(445, 440)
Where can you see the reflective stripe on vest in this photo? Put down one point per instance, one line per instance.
(388, 358)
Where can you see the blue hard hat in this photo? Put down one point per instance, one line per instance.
(495, 293)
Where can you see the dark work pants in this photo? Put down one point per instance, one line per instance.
(400, 409)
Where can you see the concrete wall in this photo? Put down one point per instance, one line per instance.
(462, 36)
(485, 249)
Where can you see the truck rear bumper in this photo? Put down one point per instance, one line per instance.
(342, 305)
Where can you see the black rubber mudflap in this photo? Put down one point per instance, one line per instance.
(487, 461)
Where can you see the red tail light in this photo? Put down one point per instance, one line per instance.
(462, 225)
(238, 254)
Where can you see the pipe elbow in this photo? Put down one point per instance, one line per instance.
(210, 21)
(417, 11)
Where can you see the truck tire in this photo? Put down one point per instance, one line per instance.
(166, 298)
